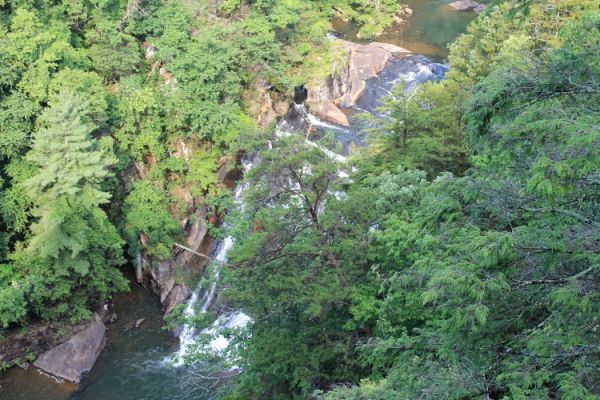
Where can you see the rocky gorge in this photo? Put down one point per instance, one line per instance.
(70, 353)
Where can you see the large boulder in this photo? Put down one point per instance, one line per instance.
(464, 5)
(347, 81)
(330, 112)
(368, 60)
(357, 88)
(17, 345)
(394, 50)
(77, 355)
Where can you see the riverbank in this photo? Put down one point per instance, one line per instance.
(135, 364)
(427, 31)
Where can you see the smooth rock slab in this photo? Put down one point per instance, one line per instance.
(464, 5)
(330, 112)
(77, 355)
(366, 62)
(178, 295)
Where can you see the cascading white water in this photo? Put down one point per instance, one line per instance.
(299, 119)
(236, 319)
(306, 120)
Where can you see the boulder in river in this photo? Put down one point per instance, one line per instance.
(70, 360)
(365, 62)
(464, 5)
(330, 112)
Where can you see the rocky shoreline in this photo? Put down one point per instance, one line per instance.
(347, 82)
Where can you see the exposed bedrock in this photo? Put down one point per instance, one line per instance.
(346, 82)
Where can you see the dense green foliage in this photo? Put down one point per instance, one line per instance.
(139, 103)
(458, 256)
(406, 283)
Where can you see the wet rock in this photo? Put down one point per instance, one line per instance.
(300, 94)
(346, 84)
(106, 312)
(166, 289)
(368, 60)
(357, 88)
(464, 5)
(70, 360)
(197, 239)
(178, 295)
(394, 50)
(331, 113)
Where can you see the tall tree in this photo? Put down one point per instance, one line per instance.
(72, 237)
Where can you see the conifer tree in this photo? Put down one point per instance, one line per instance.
(73, 236)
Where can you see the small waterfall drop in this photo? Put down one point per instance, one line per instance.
(234, 319)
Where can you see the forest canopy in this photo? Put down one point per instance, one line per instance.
(458, 258)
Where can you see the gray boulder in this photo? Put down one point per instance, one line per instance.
(464, 5)
(77, 355)
(178, 295)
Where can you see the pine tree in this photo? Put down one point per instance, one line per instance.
(69, 164)
(73, 238)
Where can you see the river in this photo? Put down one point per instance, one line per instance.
(428, 31)
(133, 366)
(135, 363)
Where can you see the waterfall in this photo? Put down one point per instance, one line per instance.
(413, 70)
(235, 319)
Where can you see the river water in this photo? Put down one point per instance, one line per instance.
(136, 364)
(428, 31)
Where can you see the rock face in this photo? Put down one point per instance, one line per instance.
(332, 113)
(16, 345)
(264, 104)
(77, 355)
(347, 81)
(166, 276)
(177, 295)
(465, 5)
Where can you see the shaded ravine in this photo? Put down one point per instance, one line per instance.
(413, 70)
(145, 362)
